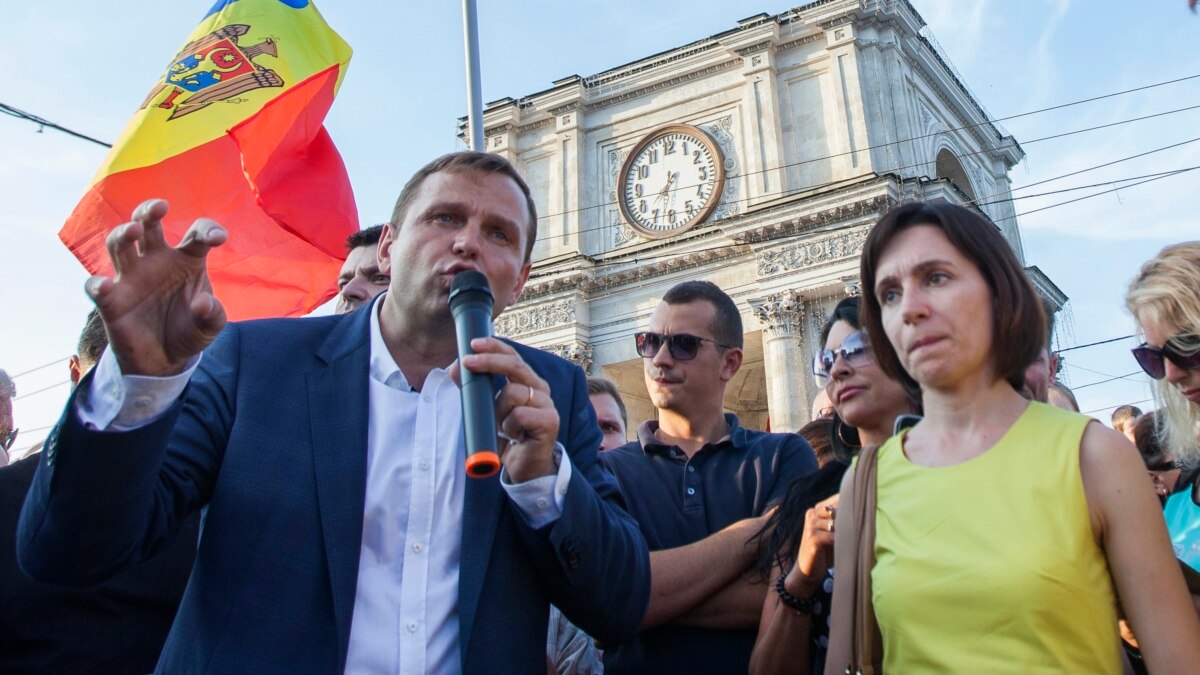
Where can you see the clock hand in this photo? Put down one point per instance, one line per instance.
(665, 193)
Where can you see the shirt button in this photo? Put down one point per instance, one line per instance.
(427, 397)
(115, 392)
(142, 402)
(542, 502)
(691, 491)
(416, 547)
(424, 465)
(691, 469)
(412, 626)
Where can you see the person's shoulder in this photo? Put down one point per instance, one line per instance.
(542, 360)
(284, 326)
(623, 455)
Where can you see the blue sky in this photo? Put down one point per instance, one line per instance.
(87, 65)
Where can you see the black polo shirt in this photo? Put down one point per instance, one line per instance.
(677, 501)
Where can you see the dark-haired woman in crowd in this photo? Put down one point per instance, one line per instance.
(1002, 527)
(792, 632)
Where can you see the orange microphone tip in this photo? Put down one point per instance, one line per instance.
(483, 464)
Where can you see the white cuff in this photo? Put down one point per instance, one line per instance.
(540, 500)
(116, 402)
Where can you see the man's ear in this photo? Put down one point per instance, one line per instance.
(76, 369)
(731, 362)
(383, 250)
(520, 284)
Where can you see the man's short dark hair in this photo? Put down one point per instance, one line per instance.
(727, 323)
(1018, 318)
(93, 339)
(467, 161)
(367, 237)
(599, 385)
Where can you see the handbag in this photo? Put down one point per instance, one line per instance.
(865, 639)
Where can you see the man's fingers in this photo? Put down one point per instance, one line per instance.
(208, 312)
(201, 237)
(122, 246)
(98, 289)
(150, 214)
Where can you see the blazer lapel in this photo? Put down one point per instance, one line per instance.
(339, 404)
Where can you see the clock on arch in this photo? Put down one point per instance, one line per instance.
(671, 181)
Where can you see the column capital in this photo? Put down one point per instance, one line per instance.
(781, 314)
(579, 353)
(852, 287)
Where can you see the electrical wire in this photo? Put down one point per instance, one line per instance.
(41, 122)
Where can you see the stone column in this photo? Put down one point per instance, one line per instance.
(789, 384)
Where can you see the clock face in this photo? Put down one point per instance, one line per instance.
(671, 181)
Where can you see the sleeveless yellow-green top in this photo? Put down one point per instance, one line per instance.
(990, 566)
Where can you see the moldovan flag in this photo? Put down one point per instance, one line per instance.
(232, 131)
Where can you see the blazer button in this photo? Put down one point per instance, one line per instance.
(570, 554)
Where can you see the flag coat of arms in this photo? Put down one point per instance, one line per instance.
(233, 131)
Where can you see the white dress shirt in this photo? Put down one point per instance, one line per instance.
(405, 616)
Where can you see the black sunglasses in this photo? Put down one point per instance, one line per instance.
(855, 349)
(1151, 359)
(683, 346)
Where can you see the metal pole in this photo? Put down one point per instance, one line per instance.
(474, 100)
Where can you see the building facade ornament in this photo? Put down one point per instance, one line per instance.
(806, 254)
(537, 318)
(852, 287)
(579, 353)
(781, 314)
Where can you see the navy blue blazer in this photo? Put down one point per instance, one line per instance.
(271, 435)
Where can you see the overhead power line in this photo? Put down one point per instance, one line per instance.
(1093, 344)
(44, 365)
(43, 123)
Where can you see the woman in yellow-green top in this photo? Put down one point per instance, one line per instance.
(1005, 530)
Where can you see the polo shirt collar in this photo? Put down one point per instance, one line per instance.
(651, 444)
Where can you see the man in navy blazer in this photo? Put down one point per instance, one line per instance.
(309, 441)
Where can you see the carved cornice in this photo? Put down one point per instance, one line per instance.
(755, 48)
(534, 126)
(872, 207)
(566, 108)
(805, 254)
(781, 314)
(497, 130)
(579, 353)
(665, 84)
(799, 42)
(537, 318)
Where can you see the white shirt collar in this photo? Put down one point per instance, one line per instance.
(383, 367)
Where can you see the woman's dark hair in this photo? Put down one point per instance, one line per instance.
(846, 310)
(1018, 319)
(780, 538)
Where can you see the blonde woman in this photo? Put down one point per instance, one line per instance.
(1165, 300)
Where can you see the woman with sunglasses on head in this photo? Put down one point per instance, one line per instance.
(1001, 527)
(796, 557)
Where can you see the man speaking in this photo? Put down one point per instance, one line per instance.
(342, 531)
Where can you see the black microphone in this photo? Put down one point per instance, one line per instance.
(471, 305)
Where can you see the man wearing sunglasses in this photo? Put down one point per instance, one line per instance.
(698, 484)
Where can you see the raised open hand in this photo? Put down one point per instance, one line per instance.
(158, 310)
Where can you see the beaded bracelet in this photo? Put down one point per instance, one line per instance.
(800, 606)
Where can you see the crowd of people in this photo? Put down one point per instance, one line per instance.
(288, 495)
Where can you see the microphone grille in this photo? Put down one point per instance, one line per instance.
(466, 284)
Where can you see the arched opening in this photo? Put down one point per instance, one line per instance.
(948, 166)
